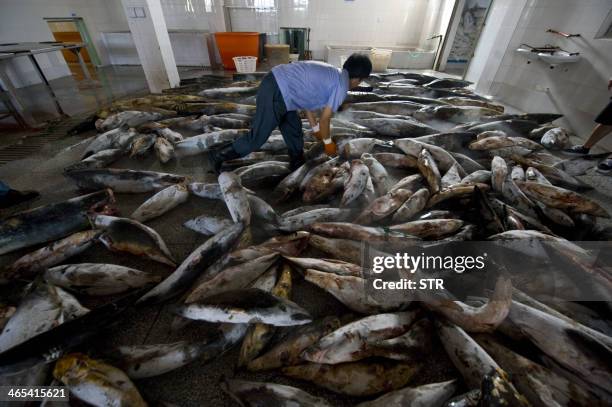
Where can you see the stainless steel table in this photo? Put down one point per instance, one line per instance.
(31, 49)
(9, 96)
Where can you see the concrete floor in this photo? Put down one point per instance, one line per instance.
(79, 97)
(196, 384)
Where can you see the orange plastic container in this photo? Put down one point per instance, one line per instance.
(236, 44)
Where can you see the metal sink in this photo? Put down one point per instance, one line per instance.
(525, 51)
(559, 57)
(549, 54)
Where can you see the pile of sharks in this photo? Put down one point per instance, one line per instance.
(423, 163)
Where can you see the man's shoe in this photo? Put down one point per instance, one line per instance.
(605, 167)
(296, 162)
(576, 150)
(216, 157)
(13, 197)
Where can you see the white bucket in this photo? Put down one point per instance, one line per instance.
(245, 64)
(380, 59)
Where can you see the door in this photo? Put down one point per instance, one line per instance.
(66, 31)
(472, 20)
(73, 29)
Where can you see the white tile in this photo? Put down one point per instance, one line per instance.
(577, 90)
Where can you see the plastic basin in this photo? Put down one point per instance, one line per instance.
(380, 59)
(235, 44)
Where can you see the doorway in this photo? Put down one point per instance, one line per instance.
(73, 29)
(472, 19)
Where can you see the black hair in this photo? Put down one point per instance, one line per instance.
(358, 66)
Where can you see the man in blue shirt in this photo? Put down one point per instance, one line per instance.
(308, 86)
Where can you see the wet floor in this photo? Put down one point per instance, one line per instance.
(77, 96)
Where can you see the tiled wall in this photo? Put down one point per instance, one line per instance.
(253, 15)
(190, 48)
(496, 35)
(399, 23)
(188, 14)
(578, 90)
(405, 23)
(187, 21)
(22, 20)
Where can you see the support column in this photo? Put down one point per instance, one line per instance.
(150, 35)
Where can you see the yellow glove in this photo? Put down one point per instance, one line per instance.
(330, 147)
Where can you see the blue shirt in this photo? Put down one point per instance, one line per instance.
(311, 85)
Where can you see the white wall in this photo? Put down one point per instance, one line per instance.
(203, 15)
(499, 29)
(187, 22)
(389, 23)
(22, 21)
(578, 90)
(189, 47)
(187, 14)
(437, 17)
(400, 23)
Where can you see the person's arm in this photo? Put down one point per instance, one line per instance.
(325, 124)
(314, 124)
(311, 118)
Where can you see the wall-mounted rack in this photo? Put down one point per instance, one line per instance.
(545, 48)
(551, 55)
(561, 33)
(548, 49)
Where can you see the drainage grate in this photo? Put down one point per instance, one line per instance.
(33, 143)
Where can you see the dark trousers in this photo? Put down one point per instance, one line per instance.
(605, 117)
(271, 113)
(4, 188)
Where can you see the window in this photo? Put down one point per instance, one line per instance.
(189, 6)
